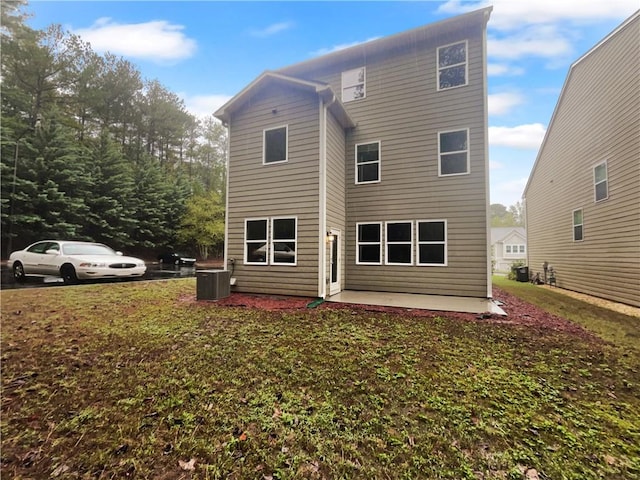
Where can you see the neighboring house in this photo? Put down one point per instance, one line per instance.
(508, 245)
(582, 201)
(365, 169)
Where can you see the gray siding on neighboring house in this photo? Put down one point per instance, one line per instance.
(597, 119)
(286, 189)
(404, 111)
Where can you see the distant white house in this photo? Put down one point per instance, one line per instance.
(508, 245)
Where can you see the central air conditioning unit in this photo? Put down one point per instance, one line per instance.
(213, 284)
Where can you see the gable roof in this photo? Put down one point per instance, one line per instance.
(323, 90)
(500, 233)
(391, 42)
(565, 87)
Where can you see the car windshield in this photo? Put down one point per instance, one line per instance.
(86, 249)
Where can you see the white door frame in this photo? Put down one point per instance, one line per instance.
(335, 239)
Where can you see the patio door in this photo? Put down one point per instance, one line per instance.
(335, 259)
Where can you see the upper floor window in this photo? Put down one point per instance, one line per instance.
(600, 181)
(353, 84)
(399, 243)
(513, 249)
(369, 243)
(452, 65)
(432, 242)
(368, 162)
(453, 152)
(284, 241)
(275, 145)
(578, 225)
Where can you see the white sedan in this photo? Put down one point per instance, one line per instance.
(73, 261)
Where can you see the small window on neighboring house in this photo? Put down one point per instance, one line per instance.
(368, 162)
(432, 243)
(600, 181)
(522, 248)
(453, 151)
(353, 84)
(284, 241)
(369, 243)
(452, 65)
(508, 248)
(578, 225)
(399, 240)
(275, 145)
(255, 238)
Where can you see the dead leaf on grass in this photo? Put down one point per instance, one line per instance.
(188, 466)
(610, 460)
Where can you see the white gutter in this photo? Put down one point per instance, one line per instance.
(226, 200)
(322, 199)
(486, 158)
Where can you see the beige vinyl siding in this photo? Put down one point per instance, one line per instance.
(597, 119)
(280, 190)
(336, 215)
(404, 111)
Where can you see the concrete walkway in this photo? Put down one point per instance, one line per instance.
(425, 302)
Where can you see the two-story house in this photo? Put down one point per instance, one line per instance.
(508, 246)
(365, 169)
(582, 200)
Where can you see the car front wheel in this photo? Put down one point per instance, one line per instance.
(18, 272)
(68, 274)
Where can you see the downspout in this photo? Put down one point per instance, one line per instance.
(322, 201)
(486, 156)
(226, 199)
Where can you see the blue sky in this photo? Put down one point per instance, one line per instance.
(207, 51)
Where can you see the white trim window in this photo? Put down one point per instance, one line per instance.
(432, 243)
(275, 145)
(354, 84)
(256, 234)
(284, 233)
(453, 152)
(369, 243)
(399, 243)
(514, 249)
(452, 65)
(368, 160)
(600, 182)
(578, 225)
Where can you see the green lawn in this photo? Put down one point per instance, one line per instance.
(131, 379)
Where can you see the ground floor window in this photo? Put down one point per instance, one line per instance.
(283, 243)
(399, 240)
(403, 241)
(432, 242)
(274, 245)
(369, 243)
(577, 225)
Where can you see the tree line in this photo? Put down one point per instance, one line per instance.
(90, 150)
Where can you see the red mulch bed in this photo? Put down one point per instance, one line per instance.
(518, 311)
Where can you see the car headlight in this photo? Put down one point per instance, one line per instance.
(93, 265)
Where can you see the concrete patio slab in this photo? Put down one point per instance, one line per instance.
(425, 302)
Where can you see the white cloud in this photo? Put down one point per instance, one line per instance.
(342, 46)
(503, 70)
(272, 29)
(204, 105)
(493, 165)
(545, 41)
(502, 103)
(158, 40)
(508, 192)
(527, 136)
(512, 14)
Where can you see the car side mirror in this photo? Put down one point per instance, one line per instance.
(52, 252)
(119, 253)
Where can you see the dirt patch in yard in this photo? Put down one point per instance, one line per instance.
(518, 311)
